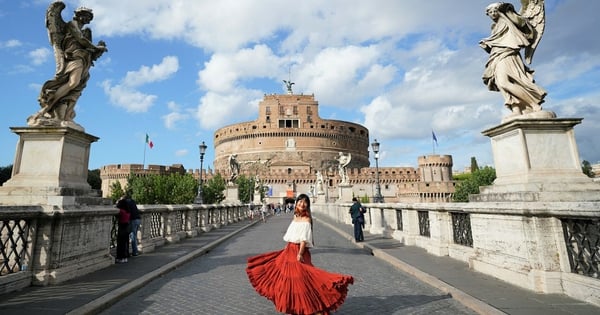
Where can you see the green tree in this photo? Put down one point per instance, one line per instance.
(586, 168)
(5, 173)
(141, 189)
(184, 190)
(163, 189)
(116, 191)
(245, 188)
(213, 190)
(94, 179)
(365, 199)
(469, 186)
(474, 166)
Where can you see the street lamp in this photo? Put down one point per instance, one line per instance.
(378, 196)
(202, 148)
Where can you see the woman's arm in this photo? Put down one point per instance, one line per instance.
(301, 251)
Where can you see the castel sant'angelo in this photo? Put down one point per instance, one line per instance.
(291, 150)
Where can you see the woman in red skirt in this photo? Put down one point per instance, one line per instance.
(288, 278)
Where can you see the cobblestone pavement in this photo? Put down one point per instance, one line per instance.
(216, 283)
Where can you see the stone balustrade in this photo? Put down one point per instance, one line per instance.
(43, 245)
(548, 247)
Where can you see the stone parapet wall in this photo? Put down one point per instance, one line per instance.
(528, 244)
(45, 246)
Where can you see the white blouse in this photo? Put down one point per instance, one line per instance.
(298, 232)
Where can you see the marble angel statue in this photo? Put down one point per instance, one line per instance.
(344, 160)
(234, 168)
(506, 70)
(74, 54)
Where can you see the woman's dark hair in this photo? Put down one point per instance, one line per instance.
(309, 214)
(305, 198)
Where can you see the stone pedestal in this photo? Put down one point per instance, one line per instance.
(257, 198)
(538, 171)
(537, 160)
(344, 194)
(232, 194)
(50, 168)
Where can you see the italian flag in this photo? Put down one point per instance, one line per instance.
(149, 142)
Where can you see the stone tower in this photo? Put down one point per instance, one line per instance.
(290, 136)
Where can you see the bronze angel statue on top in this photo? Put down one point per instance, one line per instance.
(506, 70)
(75, 54)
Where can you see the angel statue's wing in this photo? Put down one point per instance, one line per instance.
(56, 32)
(534, 11)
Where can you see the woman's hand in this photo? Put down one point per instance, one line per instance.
(300, 258)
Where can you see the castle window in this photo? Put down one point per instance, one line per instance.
(268, 119)
(352, 129)
(289, 170)
(268, 110)
(289, 123)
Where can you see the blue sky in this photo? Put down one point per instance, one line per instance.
(178, 70)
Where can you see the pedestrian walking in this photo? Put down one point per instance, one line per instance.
(358, 219)
(263, 212)
(288, 278)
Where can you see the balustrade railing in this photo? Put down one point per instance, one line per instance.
(424, 223)
(15, 245)
(399, 226)
(452, 226)
(461, 229)
(582, 238)
(36, 243)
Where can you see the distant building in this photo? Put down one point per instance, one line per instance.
(289, 143)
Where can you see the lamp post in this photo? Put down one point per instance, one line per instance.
(378, 197)
(202, 148)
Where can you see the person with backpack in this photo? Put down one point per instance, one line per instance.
(358, 219)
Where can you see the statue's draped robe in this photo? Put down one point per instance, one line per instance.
(505, 70)
(76, 57)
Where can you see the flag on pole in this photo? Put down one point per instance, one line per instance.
(434, 137)
(149, 142)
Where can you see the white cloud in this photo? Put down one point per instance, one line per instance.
(217, 110)
(39, 56)
(182, 152)
(162, 71)
(129, 99)
(175, 116)
(126, 95)
(11, 43)
(224, 71)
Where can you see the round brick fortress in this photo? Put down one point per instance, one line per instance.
(290, 132)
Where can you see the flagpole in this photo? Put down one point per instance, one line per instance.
(144, 163)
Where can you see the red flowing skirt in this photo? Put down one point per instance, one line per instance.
(296, 287)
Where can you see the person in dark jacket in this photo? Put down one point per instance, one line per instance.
(135, 220)
(358, 219)
(122, 232)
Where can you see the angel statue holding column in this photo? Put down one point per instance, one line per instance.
(505, 70)
(74, 53)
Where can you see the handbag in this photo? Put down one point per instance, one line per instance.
(361, 219)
